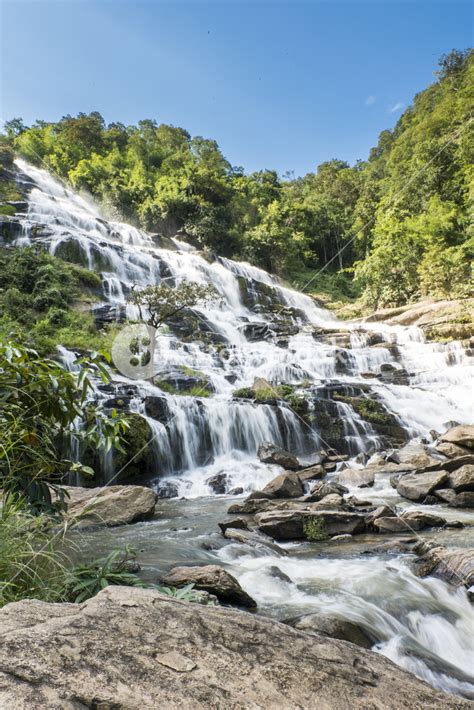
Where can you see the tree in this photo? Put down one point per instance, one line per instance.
(158, 304)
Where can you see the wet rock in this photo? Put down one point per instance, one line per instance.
(167, 489)
(239, 523)
(212, 579)
(383, 511)
(393, 375)
(451, 450)
(462, 435)
(320, 490)
(254, 539)
(271, 453)
(286, 485)
(414, 456)
(463, 500)
(250, 507)
(136, 648)
(218, 483)
(342, 538)
(236, 491)
(445, 495)
(297, 525)
(393, 546)
(256, 331)
(106, 313)
(333, 500)
(454, 464)
(454, 565)
(109, 506)
(311, 473)
(362, 478)
(278, 574)
(204, 598)
(462, 479)
(156, 408)
(417, 486)
(333, 627)
(408, 522)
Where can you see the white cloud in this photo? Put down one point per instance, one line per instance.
(370, 100)
(396, 107)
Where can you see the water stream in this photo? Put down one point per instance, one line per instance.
(256, 327)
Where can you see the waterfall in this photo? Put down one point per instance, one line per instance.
(255, 327)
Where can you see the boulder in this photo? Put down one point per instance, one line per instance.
(458, 462)
(418, 485)
(110, 505)
(271, 453)
(446, 495)
(250, 506)
(312, 525)
(254, 539)
(361, 478)
(463, 500)
(136, 648)
(333, 500)
(383, 511)
(462, 479)
(286, 485)
(167, 489)
(321, 490)
(212, 579)
(276, 572)
(454, 565)
(218, 483)
(333, 627)
(311, 473)
(239, 523)
(451, 450)
(414, 456)
(236, 491)
(462, 435)
(407, 522)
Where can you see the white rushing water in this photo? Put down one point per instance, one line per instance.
(420, 624)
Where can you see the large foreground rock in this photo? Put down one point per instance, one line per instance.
(212, 579)
(133, 648)
(286, 485)
(410, 521)
(300, 525)
(110, 505)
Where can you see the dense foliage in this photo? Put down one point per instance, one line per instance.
(399, 219)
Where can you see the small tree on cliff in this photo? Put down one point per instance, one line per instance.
(158, 304)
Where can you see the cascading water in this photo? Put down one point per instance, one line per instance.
(255, 327)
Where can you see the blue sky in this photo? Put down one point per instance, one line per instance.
(279, 84)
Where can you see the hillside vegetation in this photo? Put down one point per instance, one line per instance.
(393, 228)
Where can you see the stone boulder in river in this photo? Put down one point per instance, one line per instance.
(462, 435)
(409, 521)
(271, 453)
(462, 479)
(361, 478)
(286, 485)
(300, 525)
(454, 565)
(110, 505)
(135, 648)
(419, 485)
(212, 579)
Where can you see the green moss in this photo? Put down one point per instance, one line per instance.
(264, 394)
(195, 391)
(315, 529)
(7, 210)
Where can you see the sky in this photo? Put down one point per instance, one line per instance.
(280, 84)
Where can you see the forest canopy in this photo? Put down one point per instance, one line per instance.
(397, 222)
